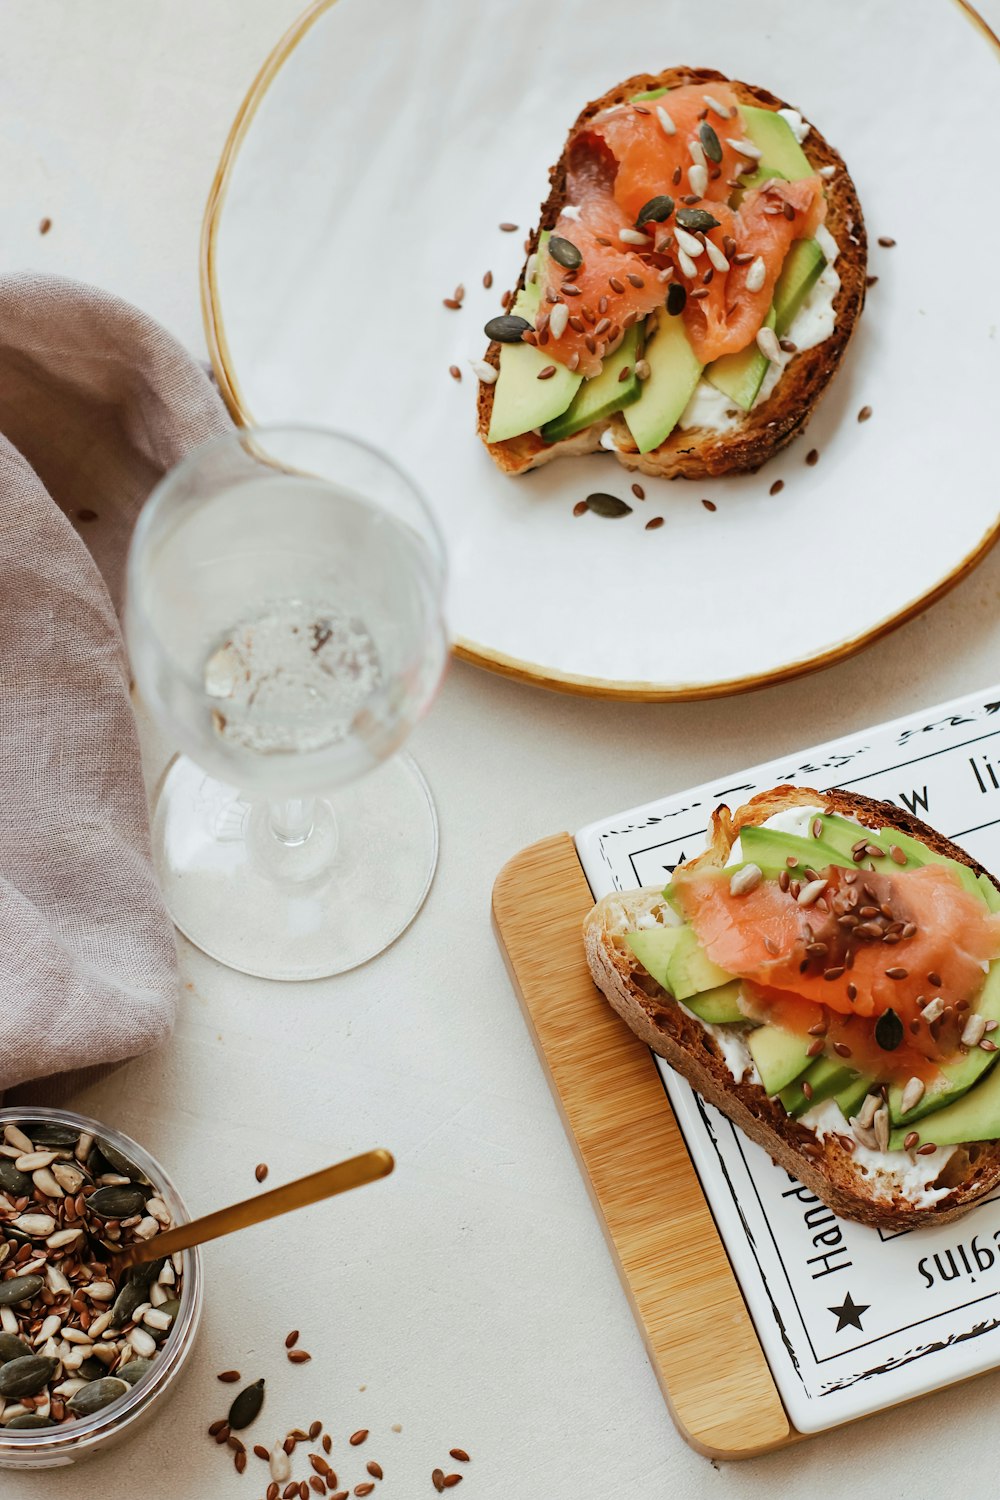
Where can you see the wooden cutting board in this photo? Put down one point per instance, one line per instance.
(683, 1292)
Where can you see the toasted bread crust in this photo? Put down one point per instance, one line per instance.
(825, 1167)
(698, 453)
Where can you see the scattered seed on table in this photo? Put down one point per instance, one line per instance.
(327, 1442)
(261, 1451)
(273, 1491)
(505, 300)
(316, 1484)
(340, 1495)
(319, 1464)
(364, 1489)
(864, 414)
(260, 1171)
(450, 1480)
(509, 228)
(654, 524)
(216, 1427)
(45, 226)
(374, 1469)
(709, 505)
(222, 1436)
(437, 1480)
(358, 1437)
(777, 487)
(460, 1454)
(290, 1490)
(239, 1462)
(246, 1406)
(315, 1428)
(870, 280)
(488, 279)
(289, 1444)
(451, 302)
(886, 241)
(459, 293)
(812, 457)
(580, 508)
(229, 1377)
(298, 1356)
(638, 492)
(454, 372)
(237, 1445)
(291, 1339)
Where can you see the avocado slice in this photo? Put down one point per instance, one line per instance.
(675, 959)
(770, 848)
(604, 394)
(849, 1099)
(780, 1056)
(719, 1007)
(740, 376)
(645, 97)
(919, 854)
(773, 137)
(957, 1077)
(674, 371)
(800, 271)
(973, 1117)
(989, 892)
(826, 1077)
(522, 402)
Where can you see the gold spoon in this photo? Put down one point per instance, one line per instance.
(281, 1200)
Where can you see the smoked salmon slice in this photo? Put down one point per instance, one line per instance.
(648, 192)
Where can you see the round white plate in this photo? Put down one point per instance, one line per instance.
(373, 160)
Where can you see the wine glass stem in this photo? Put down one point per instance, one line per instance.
(291, 820)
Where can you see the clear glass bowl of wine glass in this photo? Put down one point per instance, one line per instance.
(285, 625)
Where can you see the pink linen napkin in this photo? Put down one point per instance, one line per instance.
(96, 403)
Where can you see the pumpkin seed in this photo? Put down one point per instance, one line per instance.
(12, 1347)
(93, 1369)
(26, 1376)
(246, 1406)
(711, 145)
(608, 505)
(13, 1181)
(676, 298)
(565, 253)
(51, 1133)
(507, 328)
(116, 1202)
(120, 1162)
(19, 1289)
(29, 1419)
(96, 1395)
(133, 1372)
(888, 1032)
(696, 218)
(656, 209)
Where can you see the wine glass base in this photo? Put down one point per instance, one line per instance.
(308, 923)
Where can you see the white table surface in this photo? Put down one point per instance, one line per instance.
(470, 1298)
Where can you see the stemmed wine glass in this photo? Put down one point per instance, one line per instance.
(285, 623)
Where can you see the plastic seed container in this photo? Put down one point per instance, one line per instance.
(82, 1437)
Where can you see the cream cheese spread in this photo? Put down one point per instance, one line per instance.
(890, 1173)
(800, 128)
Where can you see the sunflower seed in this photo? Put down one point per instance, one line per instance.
(724, 113)
(746, 879)
(716, 256)
(931, 1012)
(811, 892)
(558, 320)
(666, 123)
(633, 237)
(880, 1126)
(32, 1160)
(15, 1137)
(698, 179)
(767, 343)
(744, 148)
(756, 275)
(912, 1095)
(687, 265)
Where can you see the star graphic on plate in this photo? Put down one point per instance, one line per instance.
(849, 1313)
(680, 860)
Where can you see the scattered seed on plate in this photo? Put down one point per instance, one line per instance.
(505, 300)
(509, 228)
(487, 279)
(654, 524)
(609, 506)
(886, 241)
(451, 302)
(864, 414)
(260, 1171)
(709, 505)
(45, 226)
(870, 280)
(638, 492)
(777, 487)
(812, 457)
(454, 372)
(580, 508)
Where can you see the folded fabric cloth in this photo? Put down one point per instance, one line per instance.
(96, 403)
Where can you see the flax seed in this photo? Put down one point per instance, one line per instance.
(455, 374)
(451, 303)
(273, 1491)
(509, 228)
(358, 1437)
(364, 1489)
(842, 1049)
(317, 1485)
(261, 1452)
(374, 1469)
(654, 524)
(709, 505)
(298, 1356)
(864, 414)
(319, 1464)
(777, 487)
(886, 241)
(638, 492)
(229, 1377)
(291, 1339)
(450, 1480)
(437, 1475)
(926, 1150)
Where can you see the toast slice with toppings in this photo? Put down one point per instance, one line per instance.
(861, 952)
(742, 421)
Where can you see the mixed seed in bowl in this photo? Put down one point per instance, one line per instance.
(73, 1337)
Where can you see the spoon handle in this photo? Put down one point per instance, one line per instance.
(281, 1200)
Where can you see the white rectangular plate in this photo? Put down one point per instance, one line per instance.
(851, 1319)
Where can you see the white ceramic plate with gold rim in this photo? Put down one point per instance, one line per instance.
(375, 156)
